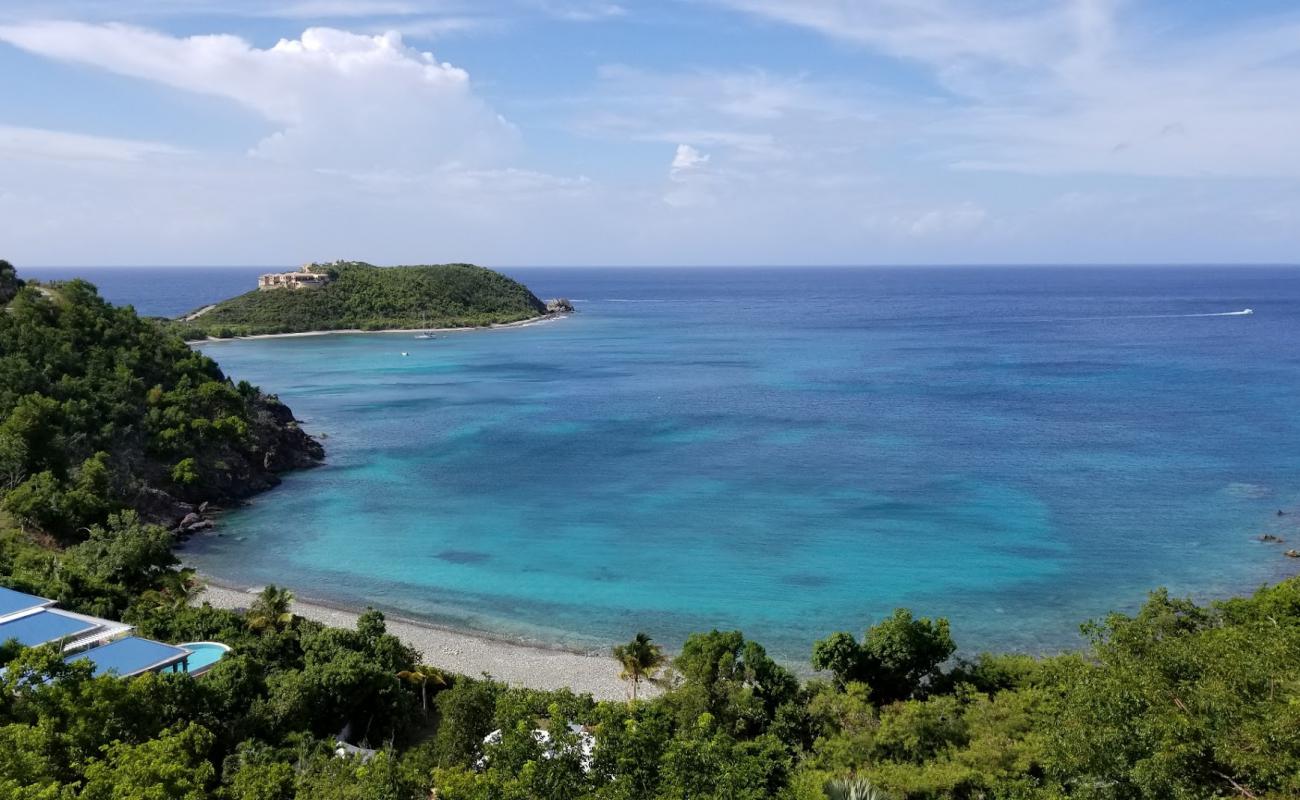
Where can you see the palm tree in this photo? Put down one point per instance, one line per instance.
(271, 609)
(425, 675)
(176, 590)
(641, 659)
(852, 789)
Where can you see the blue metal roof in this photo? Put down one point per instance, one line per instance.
(44, 626)
(130, 656)
(11, 601)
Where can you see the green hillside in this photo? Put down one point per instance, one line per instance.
(366, 297)
(102, 411)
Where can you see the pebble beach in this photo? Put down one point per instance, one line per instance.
(464, 653)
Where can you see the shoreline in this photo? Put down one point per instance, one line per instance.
(523, 323)
(515, 663)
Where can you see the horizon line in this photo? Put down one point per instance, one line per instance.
(917, 265)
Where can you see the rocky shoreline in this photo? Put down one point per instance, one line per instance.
(279, 445)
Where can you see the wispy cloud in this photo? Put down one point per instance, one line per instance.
(580, 10)
(36, 143)
(1083, 86)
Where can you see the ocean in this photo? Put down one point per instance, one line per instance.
(789, 452)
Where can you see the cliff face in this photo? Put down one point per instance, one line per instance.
(276, 445)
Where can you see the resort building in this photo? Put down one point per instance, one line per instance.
(109, 646)
(305, 277)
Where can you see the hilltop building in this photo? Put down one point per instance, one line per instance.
(305, 277)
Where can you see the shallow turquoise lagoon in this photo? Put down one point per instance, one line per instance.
(793, 452)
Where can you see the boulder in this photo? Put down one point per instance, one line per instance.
(155, 505)
(559, 305)
(1268, 537)
(190, 519)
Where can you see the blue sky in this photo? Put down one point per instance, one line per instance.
(614, 132)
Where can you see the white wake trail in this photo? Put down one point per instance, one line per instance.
(1245, 312)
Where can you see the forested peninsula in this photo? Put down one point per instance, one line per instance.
(1179, 701)
(352, 295)
(102, 411)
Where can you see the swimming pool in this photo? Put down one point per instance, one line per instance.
(203, 655)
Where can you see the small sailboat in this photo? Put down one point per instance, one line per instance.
(426, 333)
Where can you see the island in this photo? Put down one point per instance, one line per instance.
(356, 296)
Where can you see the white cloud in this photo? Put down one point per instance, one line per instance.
(687, 159)
(340, 100)
(693, 184)
(36, 143)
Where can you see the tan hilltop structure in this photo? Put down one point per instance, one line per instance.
(305, 277)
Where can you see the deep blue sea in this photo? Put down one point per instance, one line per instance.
(788, 452)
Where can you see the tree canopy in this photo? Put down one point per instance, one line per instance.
(102, 411)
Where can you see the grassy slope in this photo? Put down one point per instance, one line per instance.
(374, 298)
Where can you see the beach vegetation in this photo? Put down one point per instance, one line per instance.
(641, 660)
(273, 608)
(425, 676)
(899, 657)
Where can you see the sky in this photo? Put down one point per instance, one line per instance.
(664, 132)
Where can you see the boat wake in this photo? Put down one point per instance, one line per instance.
(1245, 312)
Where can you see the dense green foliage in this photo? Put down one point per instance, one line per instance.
(101, 410)
(366, 297)
(1179, 701)
(9, 282)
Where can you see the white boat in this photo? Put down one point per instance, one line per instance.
(1248, 311)
(425, 334)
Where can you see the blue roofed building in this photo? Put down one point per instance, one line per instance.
(107, 645)
(132, 655)
(46, 625)
(14, 603)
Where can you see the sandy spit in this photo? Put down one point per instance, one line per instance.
(465, 653)
(523, 323)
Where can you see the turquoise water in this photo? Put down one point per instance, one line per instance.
(792, 453)
(204, 655)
